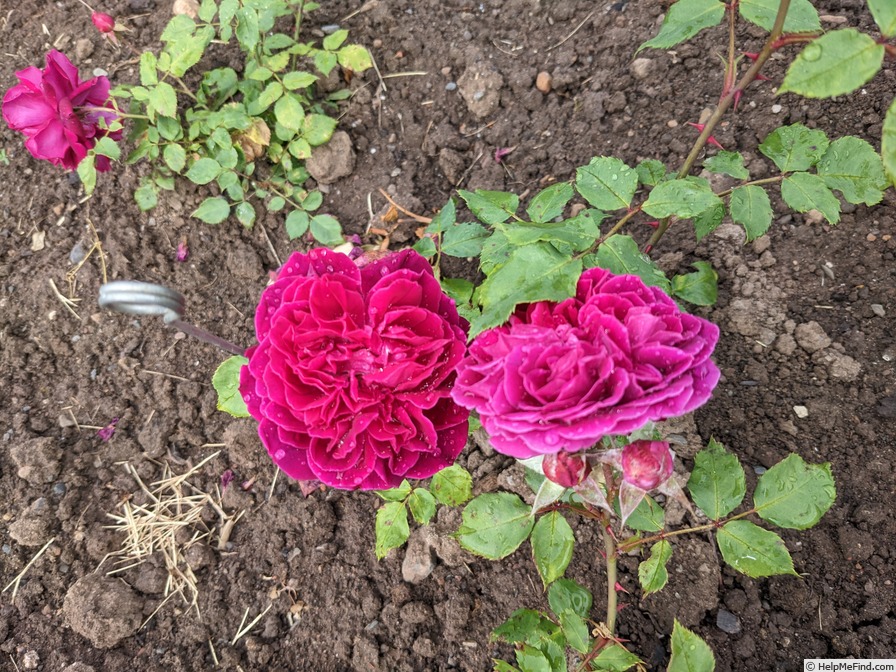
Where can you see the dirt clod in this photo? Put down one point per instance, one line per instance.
(103, 610)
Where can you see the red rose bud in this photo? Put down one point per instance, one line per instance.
(566, 469)
(646, 464)
(103, 22)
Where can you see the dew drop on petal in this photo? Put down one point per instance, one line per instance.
(279, 454)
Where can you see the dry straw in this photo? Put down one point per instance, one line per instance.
(170, 522)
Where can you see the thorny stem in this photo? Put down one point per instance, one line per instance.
(731, 67)
(612, 232)
(633, 543)
(794, 38)
(184, 89)
(116, 112)
(767, 180)
(612, 607)
(726, 102)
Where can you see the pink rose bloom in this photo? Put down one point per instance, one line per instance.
(646, 465)
(560, 376)
(351, 377)
(53, 108)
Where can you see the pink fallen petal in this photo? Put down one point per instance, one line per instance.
(106, 432)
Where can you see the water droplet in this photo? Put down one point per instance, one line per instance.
(614, 177)
(330, 268)
(384, 271)
(279, 454)
(812, 52)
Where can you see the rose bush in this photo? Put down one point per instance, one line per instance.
(351, 377)
(59, 114)
(560, 376)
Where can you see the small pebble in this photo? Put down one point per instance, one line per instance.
(801, 411)
(728, 622)
(59, 489)
(672, 123)
(878, 310)
(543, 82)
(776, 109)
(451, 86)
(759, 470)
(329, 29)
(76, 256)
(870, 237)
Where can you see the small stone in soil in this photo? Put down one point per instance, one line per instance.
(878, 310)
(728, 622)
(801, 411)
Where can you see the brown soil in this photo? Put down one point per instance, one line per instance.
(795, 309)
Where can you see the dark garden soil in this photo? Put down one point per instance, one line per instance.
(806, 314)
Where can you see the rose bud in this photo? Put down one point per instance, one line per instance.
(646, 464)
(566, 469)
(103, 22)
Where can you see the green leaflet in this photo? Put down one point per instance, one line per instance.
(452, 486)
(852, 167)
(884, 13)
(805, 191)
(888, 143)
(718, 483)
(607, 183)
(494, 525)
(685, 19)
(683, 198)
(535, 272)
(794, 147)
(391, 528)
(552, 545)
(652, 574)
(802, 17)
(619, 254)
(752, 550)
(689, 652)
(836, 63)
(751, 208)
(226, 382)
(795, 494)
(728, 163)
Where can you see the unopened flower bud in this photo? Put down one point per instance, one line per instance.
(646, 464)
(103, 22)
(566, 469)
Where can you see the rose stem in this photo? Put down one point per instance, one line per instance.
(208, 337)
(610, 549)
(724, 104)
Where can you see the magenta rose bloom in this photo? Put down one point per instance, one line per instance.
(351, 377)
(55, 111)
(560, 376)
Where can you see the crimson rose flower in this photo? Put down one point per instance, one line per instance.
(58, 114)
(351, 377)
(560, 376)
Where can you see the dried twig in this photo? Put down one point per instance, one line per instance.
(68, 303)
(243, 631)
(418, 218)
(575, 30)
(16, 581)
